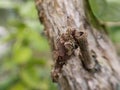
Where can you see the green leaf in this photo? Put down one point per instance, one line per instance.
(106, 10)
(18, 86)
(98, 7)
(22, 55)
(31, 78)
(38, 42)
(28, 10)
(115, 33)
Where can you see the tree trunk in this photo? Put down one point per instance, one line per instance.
(84, 57)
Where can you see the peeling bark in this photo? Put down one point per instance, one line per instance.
(84, 57)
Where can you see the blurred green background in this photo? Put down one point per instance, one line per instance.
(26, 61)
(25, 57)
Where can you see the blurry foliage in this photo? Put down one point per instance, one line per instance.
(115, 33)
(106, 10)
(27, 63)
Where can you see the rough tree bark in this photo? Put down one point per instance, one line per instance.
(84, 57)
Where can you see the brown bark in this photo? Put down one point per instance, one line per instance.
(84, 57)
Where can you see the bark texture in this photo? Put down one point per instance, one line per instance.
(84, 57)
